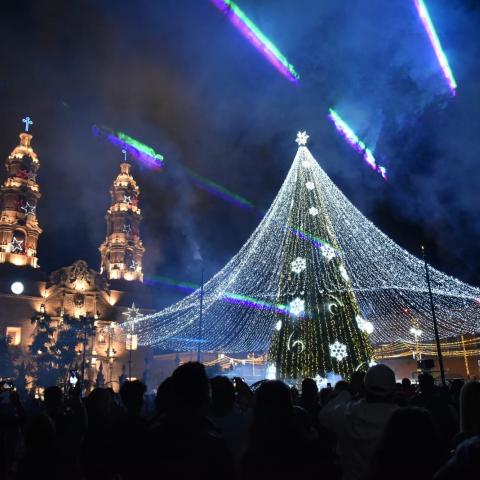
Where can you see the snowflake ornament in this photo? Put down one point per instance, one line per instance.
(343, 273)
(328, 252)
(310, 185)
(364, 325)
(127, 199)
(127, 228)
(302, 138)
(313, 211)
(338, 350)
(297, 306)
(299, 265)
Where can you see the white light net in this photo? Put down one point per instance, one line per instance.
(240, 301)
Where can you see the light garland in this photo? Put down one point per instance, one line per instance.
(383, 278)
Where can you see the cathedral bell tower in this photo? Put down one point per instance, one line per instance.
(122, 251)
(19, 195)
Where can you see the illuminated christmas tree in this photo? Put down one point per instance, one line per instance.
(309, 286)
(322, 331)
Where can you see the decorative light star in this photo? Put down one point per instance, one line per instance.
(343, 273)
(313, 211)
(127, 199)
(328, 252)
(299, 265)
(364, 325)
(16, 245)
(302, 138)
(127, 228)
(29, 209)
(338, 350)
(133, 314)
(278, 326)
(297, 306)
(310, 185)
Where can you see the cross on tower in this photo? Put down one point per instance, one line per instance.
(27, 121)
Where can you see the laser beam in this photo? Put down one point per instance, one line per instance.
(355, 142)
(252, 33)
(437, 46)
(136, 149)
(219, 190)
(235, 298)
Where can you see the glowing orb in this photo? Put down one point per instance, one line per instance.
(17, 288)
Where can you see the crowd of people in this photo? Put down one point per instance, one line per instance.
(370, 428)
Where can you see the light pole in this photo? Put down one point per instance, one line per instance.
(133, 316)
(200, 321)
(434, 318)
(417, 333)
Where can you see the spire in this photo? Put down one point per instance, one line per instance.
(19, 195)
(122, 251)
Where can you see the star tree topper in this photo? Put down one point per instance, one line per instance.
(302, 138)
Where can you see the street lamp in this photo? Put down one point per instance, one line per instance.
(133, 315)
(417, 333)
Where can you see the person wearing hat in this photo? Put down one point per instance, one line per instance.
(358, 425)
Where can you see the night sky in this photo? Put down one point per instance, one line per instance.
(179, 77)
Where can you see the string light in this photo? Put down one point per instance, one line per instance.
(384, 279)
(437, 47)
(252, 33)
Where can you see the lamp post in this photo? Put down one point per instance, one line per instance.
(200, 320)
(417, 333)
(434, 318)
(133, 315)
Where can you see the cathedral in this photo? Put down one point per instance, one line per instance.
(77, 291)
